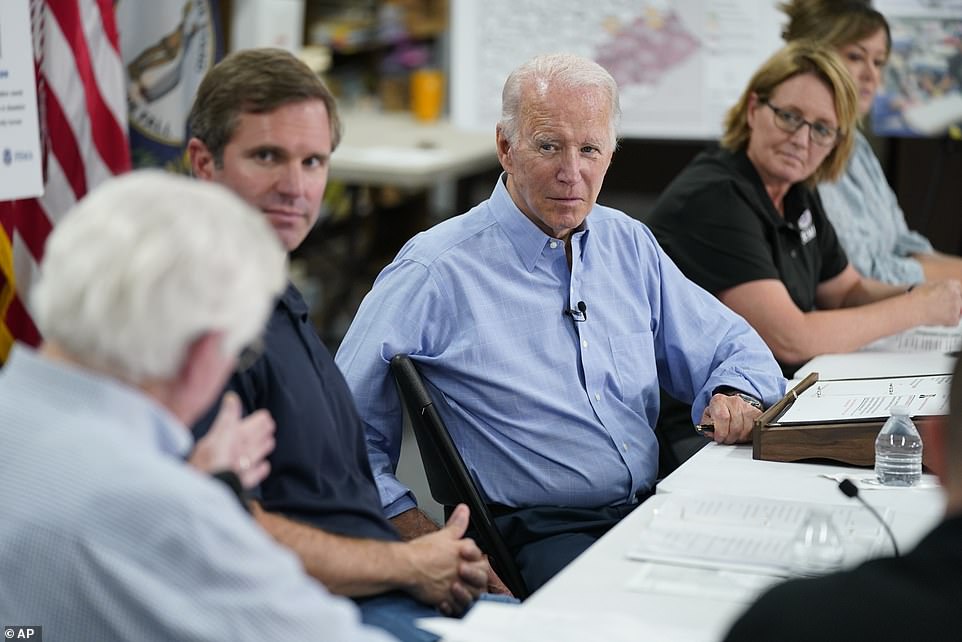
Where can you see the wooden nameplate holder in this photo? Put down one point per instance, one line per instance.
(848, 443)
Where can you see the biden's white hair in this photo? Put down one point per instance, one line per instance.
(560, 70)
(149, 262)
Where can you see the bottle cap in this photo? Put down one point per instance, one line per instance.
(899, 411)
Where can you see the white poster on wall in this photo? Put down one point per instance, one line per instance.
(679, 64)
(21, 170)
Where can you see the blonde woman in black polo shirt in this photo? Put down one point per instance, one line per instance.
(744, 222)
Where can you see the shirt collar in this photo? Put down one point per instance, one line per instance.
(744, 166)
(528, 239)
(790, 202)
(293, 301)
(79, 389)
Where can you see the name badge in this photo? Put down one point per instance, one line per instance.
(806, 228)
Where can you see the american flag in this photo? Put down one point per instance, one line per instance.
(83, 127)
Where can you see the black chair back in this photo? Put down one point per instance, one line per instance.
(447, 476)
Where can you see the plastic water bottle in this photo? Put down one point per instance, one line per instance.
(898, 451)
(816, 548)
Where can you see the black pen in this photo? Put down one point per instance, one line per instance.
(705, 429)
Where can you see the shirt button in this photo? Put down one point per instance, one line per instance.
(597, 397)
(794, 254)
(553, 244)
(625, 446)
(584, 344)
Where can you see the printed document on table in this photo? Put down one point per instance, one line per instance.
(863, 399)
(854, 365)
(751, 534)
(926, 338)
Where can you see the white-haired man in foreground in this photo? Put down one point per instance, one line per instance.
(149, 291)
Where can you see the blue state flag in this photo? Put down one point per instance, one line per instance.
(167, 47)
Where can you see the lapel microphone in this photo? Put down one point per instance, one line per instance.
(849, 489)
(580, 315)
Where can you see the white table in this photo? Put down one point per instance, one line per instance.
(596, 582)
(732, 471)
(394, 149)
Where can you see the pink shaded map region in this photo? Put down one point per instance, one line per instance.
(643, 51)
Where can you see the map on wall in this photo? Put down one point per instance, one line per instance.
(679, 64)
(922, 85)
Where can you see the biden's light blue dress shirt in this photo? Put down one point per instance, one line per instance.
(544, 409)
(106, 534)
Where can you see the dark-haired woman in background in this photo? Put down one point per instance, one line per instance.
(860, 204)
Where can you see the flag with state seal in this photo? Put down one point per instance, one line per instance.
(167, 48)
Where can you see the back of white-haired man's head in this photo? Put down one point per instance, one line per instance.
(146, 265)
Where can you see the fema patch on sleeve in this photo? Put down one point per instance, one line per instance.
(806, 227)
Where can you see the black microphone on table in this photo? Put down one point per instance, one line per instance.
(849, 489)
(580, 315)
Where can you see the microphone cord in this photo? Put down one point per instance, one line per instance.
(849, 489)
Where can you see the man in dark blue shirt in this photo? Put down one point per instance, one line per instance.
(319, 469)
(264, 125)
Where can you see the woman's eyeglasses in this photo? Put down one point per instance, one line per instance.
(789, 121)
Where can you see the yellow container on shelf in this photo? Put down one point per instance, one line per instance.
(427, 94)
